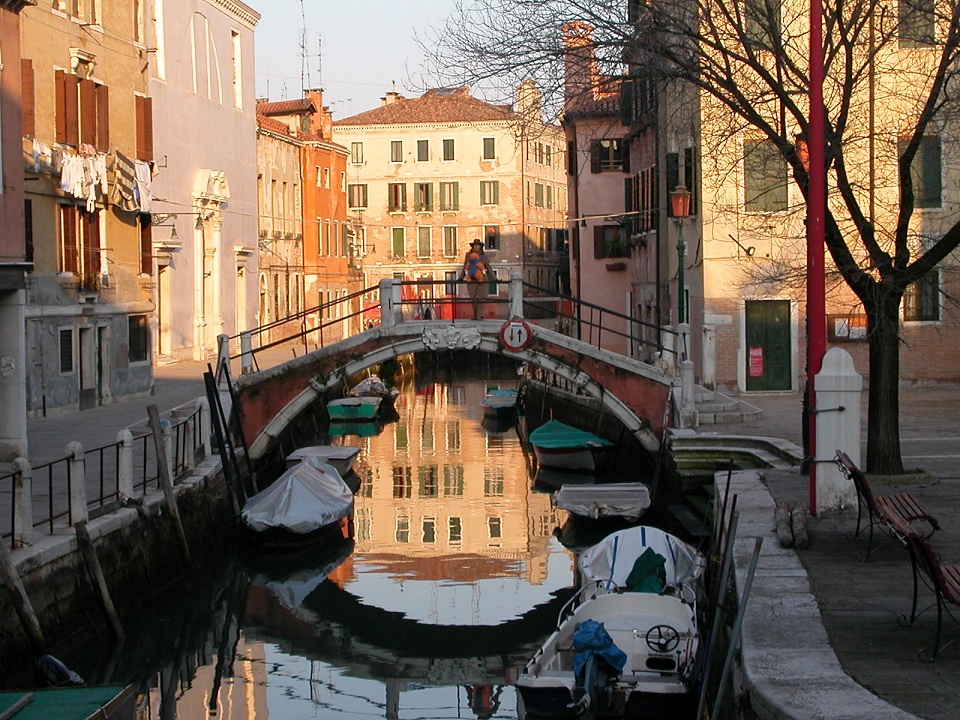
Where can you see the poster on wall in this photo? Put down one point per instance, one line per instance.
(756, 362)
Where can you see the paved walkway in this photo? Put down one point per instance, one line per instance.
(859, 600)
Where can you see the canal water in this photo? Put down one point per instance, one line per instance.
(454, 576)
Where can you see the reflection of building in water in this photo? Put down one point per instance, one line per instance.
(238, 693)
(445, 500)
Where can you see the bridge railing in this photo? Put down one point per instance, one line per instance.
(428, 299)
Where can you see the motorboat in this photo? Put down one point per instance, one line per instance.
(630, 654)
(631, 641)
(602, 501)
(564, 447)
(499, 402)
(308, 503)
(354, 408)
(613, 564)
(341, 457)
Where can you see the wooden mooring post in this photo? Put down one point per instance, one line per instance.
(89, 553)
(166, 482)
(20, 600)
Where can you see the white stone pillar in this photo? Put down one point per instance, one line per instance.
(78, 484)
(125, 464)
(22, 503)
(246, 352)
(516, 295)
(13, 382)
(205, 426)
(837, 404)
(388, 316)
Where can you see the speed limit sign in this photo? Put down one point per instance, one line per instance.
(515, 335)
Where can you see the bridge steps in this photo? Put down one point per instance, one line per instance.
(713, 408)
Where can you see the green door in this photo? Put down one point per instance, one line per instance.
(768, 344)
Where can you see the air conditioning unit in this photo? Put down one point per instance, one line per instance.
(263, 233)
(288, 236)
(276, 234)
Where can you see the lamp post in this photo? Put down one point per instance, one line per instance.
(680, 209)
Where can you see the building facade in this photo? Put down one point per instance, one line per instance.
(427, 175)
(15, 257)
(306, 243)
(203, 234)
(85, 146)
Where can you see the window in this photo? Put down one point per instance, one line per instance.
(494, 527)
(83, 112)
(449, 196)
(609, 155)
(396, 151)
(761, 22)
(608, 242)
(493, 481)
(138, 339)
(397, 197)
(403, 529)
(453, 480)
(146, 244)
(357, 195)
(550, 196)
(66, 350)
(28, 98)
(491, 237)
(489, 192)
(326, 177)
(538, 194)
(429, 481)
(450, 240)
(489, 148)
(424, 241)
(450, 282)
(423, 197)
(548, 155)
(926, 172)
(343, 182)
(356, 153)
(398, 244)
(79, 251)
(423, 150)
(429, 526)
(921, 300)
(455, 529)
(448, 150)
(764, 177)
(917, 23)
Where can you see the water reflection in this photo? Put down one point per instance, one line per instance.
(454, 580)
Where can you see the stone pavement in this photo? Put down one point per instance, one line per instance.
(859, 600)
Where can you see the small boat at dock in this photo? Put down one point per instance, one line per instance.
(341, 457)
(602, 501)
(354, 408)
(498, 402)
(308, 503)
(564, 447)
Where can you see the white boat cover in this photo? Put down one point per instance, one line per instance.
(606, 500)
(609, 562)
(305, 498)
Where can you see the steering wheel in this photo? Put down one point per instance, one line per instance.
(662, 638)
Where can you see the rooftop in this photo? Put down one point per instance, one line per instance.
(437, 105)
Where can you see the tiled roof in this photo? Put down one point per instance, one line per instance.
(456, 105)
(285, 107)
(605, 100)
(276, 126)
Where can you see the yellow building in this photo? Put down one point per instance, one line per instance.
(427, 175)
(87, 140)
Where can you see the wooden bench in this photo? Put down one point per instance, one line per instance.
(895, 514)
(943, 580)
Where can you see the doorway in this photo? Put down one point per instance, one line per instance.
(767, 345)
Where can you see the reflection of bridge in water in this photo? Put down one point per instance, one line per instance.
(638, 394)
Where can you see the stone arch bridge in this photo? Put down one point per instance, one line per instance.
(636, 393)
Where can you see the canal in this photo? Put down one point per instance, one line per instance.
(454, 576)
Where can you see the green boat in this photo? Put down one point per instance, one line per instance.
(102, 702)
(563, 447)
(354, 408)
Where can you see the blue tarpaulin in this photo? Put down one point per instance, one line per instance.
(591, 638)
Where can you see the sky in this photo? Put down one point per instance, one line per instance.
(355, 49)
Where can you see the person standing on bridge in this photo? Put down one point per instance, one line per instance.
(474, 272)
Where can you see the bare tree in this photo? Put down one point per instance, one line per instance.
(890, 93)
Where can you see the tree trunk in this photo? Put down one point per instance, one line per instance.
(883, 412)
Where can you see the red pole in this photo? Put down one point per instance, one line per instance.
(816, 226)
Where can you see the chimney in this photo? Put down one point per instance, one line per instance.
(580, 70)
(391, 97)
(315, 95)
(529, 101)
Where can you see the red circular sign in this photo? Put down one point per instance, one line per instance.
(515, 335)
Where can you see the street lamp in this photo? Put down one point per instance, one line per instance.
(680, 209)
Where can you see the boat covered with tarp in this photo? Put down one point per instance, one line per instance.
(602, 501)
